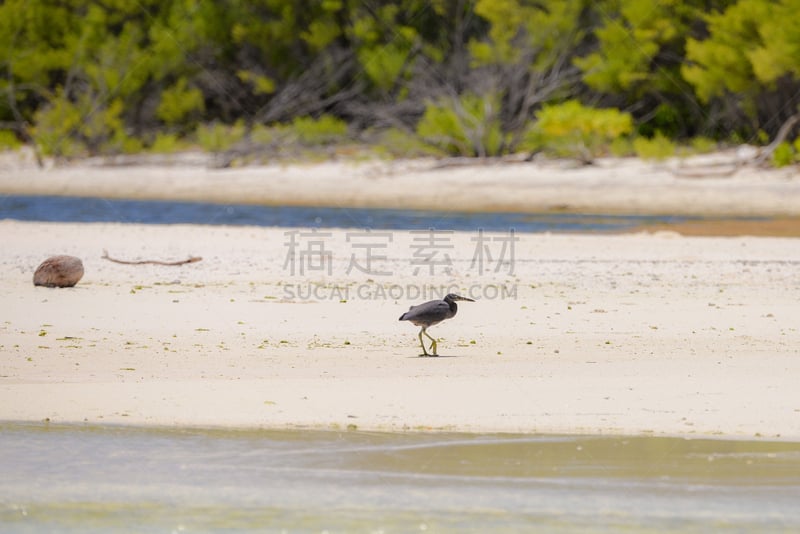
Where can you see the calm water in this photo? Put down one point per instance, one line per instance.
(113, 479)
(78, 209)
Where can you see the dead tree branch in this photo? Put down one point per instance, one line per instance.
(783, 132)
(191, 259)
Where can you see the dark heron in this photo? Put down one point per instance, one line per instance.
(431, 313)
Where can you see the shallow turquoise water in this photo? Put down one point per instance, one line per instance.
(62, 478)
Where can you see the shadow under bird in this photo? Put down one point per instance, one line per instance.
(431, 313)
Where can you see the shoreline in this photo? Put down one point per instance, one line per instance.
(633, 334)
(610, 186)
(245, 431)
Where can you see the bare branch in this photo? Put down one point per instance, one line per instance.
(783, 132)
(190, 259)
(307, 93)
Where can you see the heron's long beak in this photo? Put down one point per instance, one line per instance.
(464, 298)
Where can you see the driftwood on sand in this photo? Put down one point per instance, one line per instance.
(58, 271)
(729, 168)
(190, 259)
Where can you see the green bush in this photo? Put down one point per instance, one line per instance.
(67, 128)
(57, 124)
(621, 147)
(167, 143)
(322, 131)
(532, 139)
(665, 118)
(125, 144)
(218, 137)
(396, 143)
(784, 155)
(572, 130)
(266, 135)
(8, 140)
(384, 64)
(703, 145)
(262, 85)
(658, 148)
(467, 126)
(179, 102)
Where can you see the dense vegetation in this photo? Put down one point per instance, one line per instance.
(462, 77)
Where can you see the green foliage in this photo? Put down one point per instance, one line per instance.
(658, 148)
(722, 62)
(383, 43)
(86, 126)
(217, 137)
(324, 130)
(784, 155)
(178, 102)
(664, 118)
(638, 58)
(396, 143)
(266, 135)
(571, 129)
(79, 72)
(621, 147)
(58, 127)
(639, 46)
(533, 140)
(320, 33)
(780, 49)
(8, 140)
(262, 85)
(383, 65)
(550, 28)
(81, 77)
(165, 143)
(702, 145)
(33, 41)
(467, 126)
(126, 145)
(751, 44)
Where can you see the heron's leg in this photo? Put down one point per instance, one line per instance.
(433, 342)
(424, 352)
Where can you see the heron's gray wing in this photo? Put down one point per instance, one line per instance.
(440, 306)
(407, 315)
(434, 308)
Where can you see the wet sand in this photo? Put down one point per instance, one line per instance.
(778, 227)
(647, 334)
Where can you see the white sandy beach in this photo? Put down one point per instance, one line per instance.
(631, 334)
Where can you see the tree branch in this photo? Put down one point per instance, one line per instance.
(783, 132)
(191, 259)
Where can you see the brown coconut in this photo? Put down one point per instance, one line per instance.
(58, 271)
